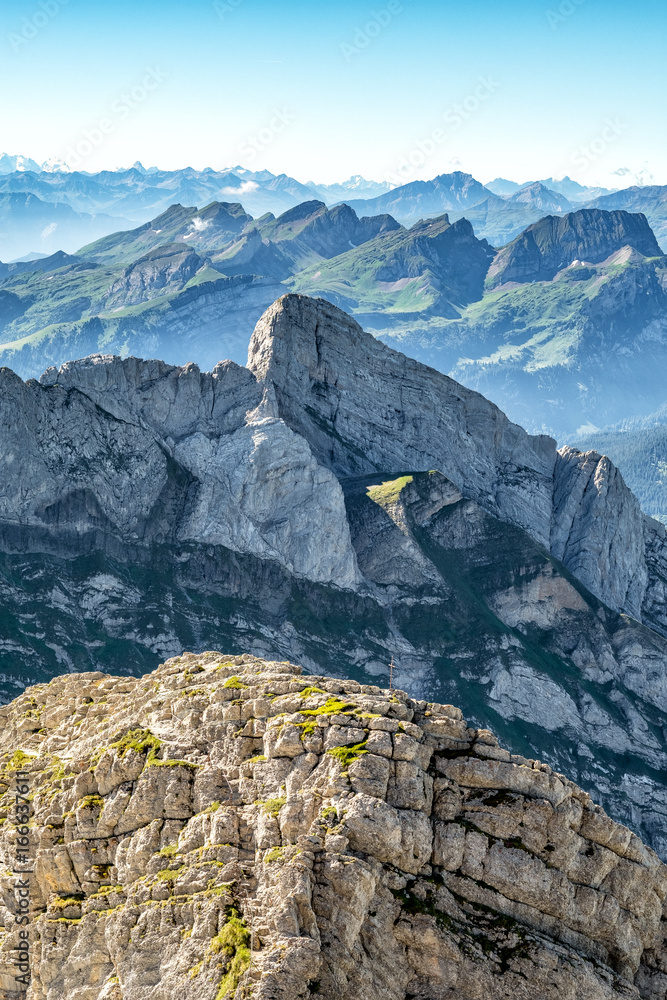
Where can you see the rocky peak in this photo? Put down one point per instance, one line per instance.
(364, 407)
(338, 503)
(175, 215)
(168, 267)
(338, 403)
(590, 235)
(311, 231)
(539, 196)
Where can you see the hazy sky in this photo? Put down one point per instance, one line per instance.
(397, 89)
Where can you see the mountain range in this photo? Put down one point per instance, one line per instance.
(498, 211)
(337, 503)
(564, 326)
(565, 186)
(125, 196)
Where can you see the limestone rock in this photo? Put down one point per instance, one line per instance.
(168, 267)
(250, 483)
(589, 235)
(364, 407)
(339, 504)
(225, 827)
(598, 524)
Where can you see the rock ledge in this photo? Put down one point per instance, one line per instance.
(225, 827)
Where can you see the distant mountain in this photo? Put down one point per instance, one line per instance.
(572, 190)
(136, 194)
(433, 268)
(354, 186)
(211, 227)
(29, 256)
(562, 345)
(552, 244)
(165, 269)
(651, 201)
(500, 220)
(502, 187)
(38, 262)
(313, 232)
(494, 218)
(421, 199)
(569, 333)
(54, 165)
(9, 164)
(29, 224)
(189, 285)
(566, 187)
(234, 240)
(154, 308)
(538, 196)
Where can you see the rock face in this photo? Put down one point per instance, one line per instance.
(553, 243)
(432, 269)
(210, 227)
(313, 229)
(364, 407)
(254, 476)
(308, 233)
(418, 199)
(602, 536)
(225, 827)
(339, 504)
(538, 196)
(197, 319)
(168, 265)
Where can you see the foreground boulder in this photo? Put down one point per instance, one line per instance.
(225, 827)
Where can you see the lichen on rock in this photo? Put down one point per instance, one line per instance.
(193, 838)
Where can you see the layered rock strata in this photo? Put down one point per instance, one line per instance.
(364, 407)
(284, 510)
(225, 827)
(320, 396)
(589, 235)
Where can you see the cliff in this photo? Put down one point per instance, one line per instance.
(337, 504)
(225, 827)
(553, 243)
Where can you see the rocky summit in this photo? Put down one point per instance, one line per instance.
(338, 504)
(226, 827)
(555, 242)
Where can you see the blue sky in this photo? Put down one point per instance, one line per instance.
(396, 89)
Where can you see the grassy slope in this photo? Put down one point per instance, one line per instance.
(353, 276)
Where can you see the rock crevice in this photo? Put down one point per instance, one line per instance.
(225, 827)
